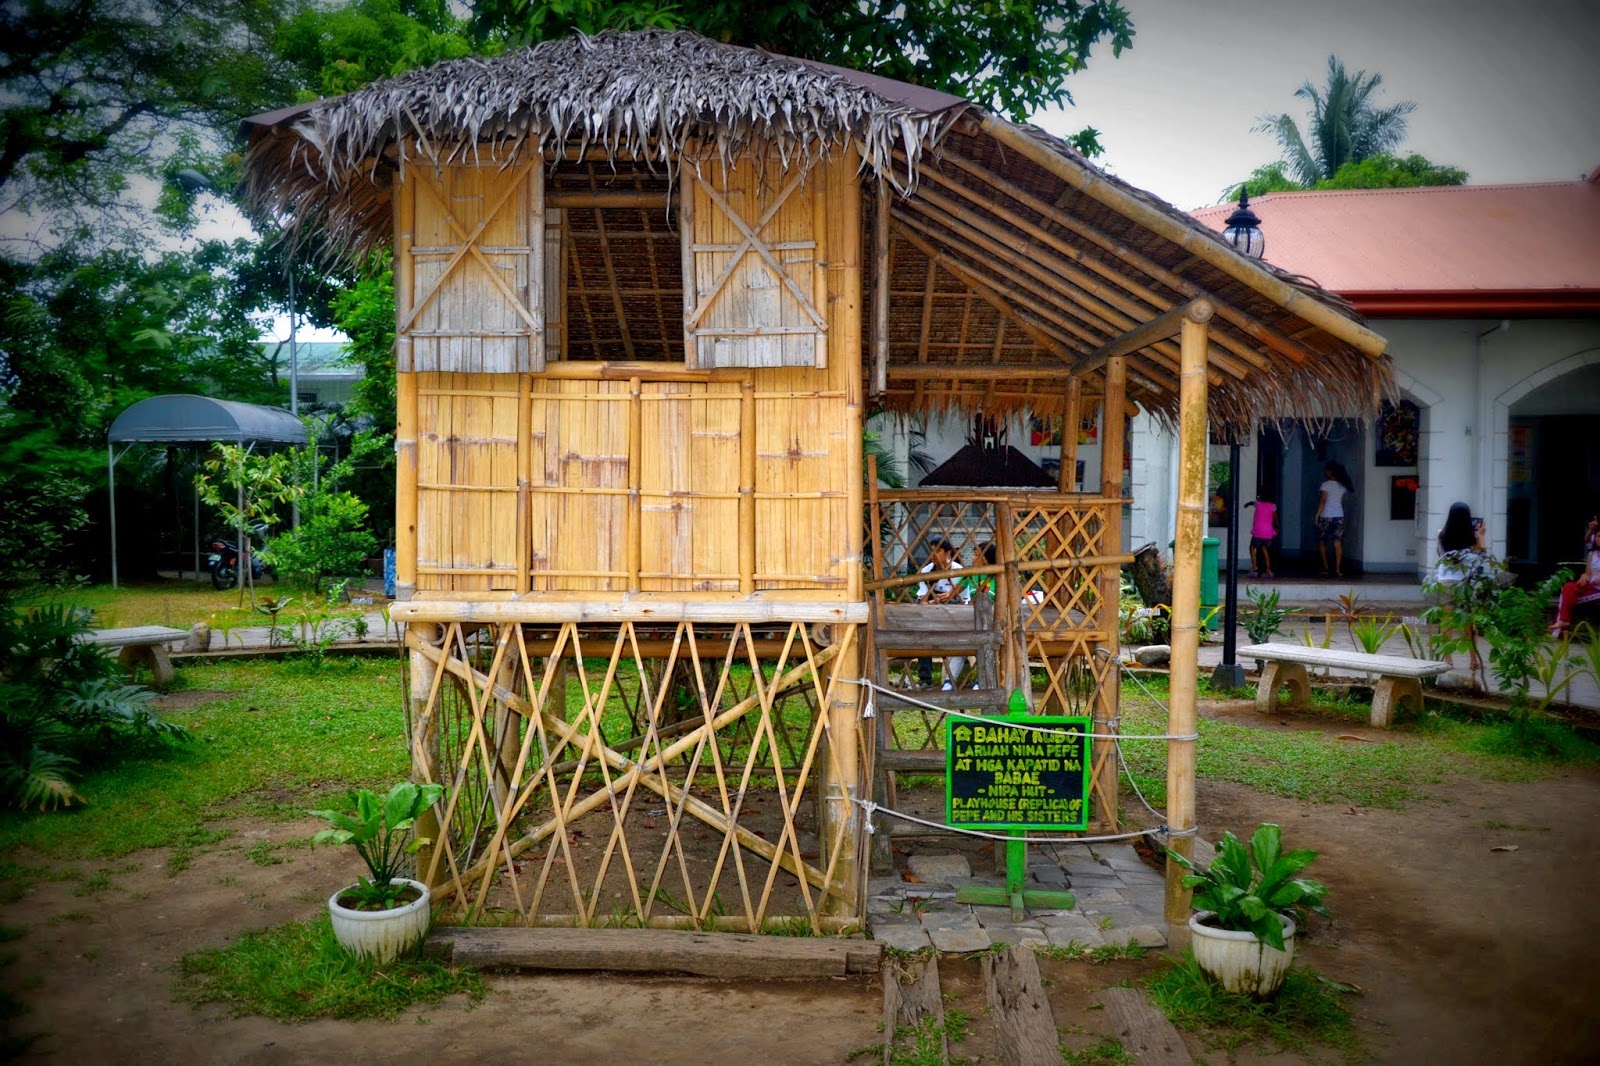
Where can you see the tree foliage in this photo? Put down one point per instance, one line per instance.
(338, 49)
(1382, 171)
(1013, 56)
(1346, 125)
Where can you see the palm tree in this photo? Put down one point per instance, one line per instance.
(1346, 125)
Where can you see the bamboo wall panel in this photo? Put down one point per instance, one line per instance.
(757, 265)
(579, 485)
(467, 482)
(477, 270)
(688, 486)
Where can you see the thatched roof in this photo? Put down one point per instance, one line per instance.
(1009, 252)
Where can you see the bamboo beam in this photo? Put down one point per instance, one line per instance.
(747, 486)
(405, 476)
(985, 372)
(1187, 238)
(610, 612)
(1192, 442)
(1157, 329)
(1099, 321)
(635, 522)
(1070, 417)
(1054, 214)
(911, 232)
(880, 301)
(607, 198)
(1108, 695)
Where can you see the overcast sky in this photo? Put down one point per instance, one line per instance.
(1507, 90)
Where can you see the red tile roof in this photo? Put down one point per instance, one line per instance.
(1453, 250)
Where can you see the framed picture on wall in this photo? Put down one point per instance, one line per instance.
(1396, 436)
(1044, 432)
(1403, 497)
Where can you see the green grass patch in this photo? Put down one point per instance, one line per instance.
(285, 740)
(1307, 1013)
(297, 971)
(1077, 951)
(1103, 1052)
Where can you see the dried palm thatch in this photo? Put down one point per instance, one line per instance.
(1012, 261)
(663, 97)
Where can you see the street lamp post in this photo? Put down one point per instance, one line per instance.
(1243, 231)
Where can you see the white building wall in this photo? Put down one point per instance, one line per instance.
(1466, 376)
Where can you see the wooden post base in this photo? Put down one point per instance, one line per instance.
(1291, 676)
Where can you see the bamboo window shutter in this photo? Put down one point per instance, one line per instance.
(752, 259)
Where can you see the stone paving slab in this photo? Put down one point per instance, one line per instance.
(939, 867)
(1017, 934)
(952, 920)
(974, 939)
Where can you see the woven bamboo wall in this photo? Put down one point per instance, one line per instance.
(600, 479)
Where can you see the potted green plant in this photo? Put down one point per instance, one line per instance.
(1246, 903)
(385, 915)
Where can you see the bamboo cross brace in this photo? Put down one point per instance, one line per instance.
(469, 246)
(632, 769)
(753, 243)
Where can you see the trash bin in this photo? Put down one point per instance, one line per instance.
(1208, 570)
(388, 574)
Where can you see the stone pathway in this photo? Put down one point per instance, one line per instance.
(1119, 899)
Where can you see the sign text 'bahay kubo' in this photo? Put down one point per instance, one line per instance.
(1017, 772)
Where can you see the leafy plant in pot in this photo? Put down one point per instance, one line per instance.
(1246, 903)
(387, 915)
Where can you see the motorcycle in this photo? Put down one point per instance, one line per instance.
(224, 560)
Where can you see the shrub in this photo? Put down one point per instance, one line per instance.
(332, 542)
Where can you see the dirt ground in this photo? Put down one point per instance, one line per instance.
(1463, 954)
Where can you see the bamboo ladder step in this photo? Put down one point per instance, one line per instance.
(977, 700)
(936, 641)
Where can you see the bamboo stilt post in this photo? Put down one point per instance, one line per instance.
(424, 742)
(844, 327)
(837, 795)
(1192, 441)
(1068, 480)
(747, 486)
(1108, 694)
(635, 501)
(880, 300)
(1008, 604)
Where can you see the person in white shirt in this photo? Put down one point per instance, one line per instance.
(1330, 516)
(943, 590)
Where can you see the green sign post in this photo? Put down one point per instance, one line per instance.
(1015, 773)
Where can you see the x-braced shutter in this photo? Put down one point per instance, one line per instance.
(476, 303)
(754, 271)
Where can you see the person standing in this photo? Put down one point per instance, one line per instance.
(1330, 516)
(1263, 528)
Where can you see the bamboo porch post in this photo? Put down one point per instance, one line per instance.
(424, 741)
(1108, 694)
(1192, 441)
(405, 431)
(1068, 478)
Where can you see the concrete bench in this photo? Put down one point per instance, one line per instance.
(140, 644)
(1399, 677)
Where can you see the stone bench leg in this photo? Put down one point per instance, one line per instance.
(1390, 695)
(152, 655)
(1282, 675)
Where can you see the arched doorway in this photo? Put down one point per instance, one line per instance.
(1550, 455)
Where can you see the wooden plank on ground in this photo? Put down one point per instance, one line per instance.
(722, 955)
(1020, 1009)
(1143, 1030)
(910, 994)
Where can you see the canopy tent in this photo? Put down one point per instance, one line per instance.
(184, 419)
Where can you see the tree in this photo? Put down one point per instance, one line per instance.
(1346, 125)
(1382, 171)
(340, 49)
(96, 92)
(1013, 57)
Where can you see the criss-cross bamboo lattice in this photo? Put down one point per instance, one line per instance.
(639, 776)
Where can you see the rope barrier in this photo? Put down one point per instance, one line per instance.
(872, 808)
(869, 711)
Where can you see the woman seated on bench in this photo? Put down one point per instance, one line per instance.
(1588, 584)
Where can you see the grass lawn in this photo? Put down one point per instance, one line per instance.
(285, 737)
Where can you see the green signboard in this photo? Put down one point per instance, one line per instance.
(1019, 771)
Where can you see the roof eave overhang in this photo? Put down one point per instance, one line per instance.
(1476, 303)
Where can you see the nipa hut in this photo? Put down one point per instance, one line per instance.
(647, 287)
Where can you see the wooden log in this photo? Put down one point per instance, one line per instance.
(1202, 246)
(1143, 1030)
(910, 994)
(1150, 577)
(1183, 691)
(726, 956)
(1020, 1009)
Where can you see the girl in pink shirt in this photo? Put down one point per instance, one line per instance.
(1263, 528)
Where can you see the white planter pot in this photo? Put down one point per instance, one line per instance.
(1239, 961)
(381, 936)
